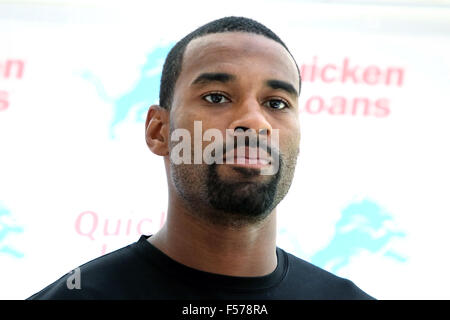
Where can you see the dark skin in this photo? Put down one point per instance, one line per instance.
(244, 97)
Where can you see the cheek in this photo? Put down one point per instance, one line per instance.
(180, 118)
(289, 142)
(198, 124)
(184, 117)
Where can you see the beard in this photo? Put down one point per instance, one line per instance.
(247, 201)
(232, 203)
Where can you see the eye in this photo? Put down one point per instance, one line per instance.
(277, 104)
(216, 98)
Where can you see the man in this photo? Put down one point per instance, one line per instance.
(236, 77)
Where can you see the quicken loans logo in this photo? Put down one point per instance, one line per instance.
(241, 147)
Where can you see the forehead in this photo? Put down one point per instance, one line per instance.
(238, 51)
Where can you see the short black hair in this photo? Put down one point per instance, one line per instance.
(172, 65)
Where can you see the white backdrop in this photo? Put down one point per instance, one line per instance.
(370, 198)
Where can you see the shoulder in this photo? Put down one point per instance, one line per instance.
(317, 283)
(95, 279)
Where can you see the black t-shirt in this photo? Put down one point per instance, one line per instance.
(141, 271)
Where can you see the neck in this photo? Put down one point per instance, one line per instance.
(246, 251)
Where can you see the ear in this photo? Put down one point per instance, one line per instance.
(157, 130)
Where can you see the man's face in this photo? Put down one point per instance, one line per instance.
(231, 81)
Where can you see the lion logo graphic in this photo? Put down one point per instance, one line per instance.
(362, 226)
(7, 228)
(143, 93)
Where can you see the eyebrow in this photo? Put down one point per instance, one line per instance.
(205, 78)
(282, 85)
(222, 77)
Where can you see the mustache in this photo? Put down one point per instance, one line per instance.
(264, 148)
(256, 147)
(248, 142)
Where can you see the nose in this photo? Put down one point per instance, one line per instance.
(249, 115)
